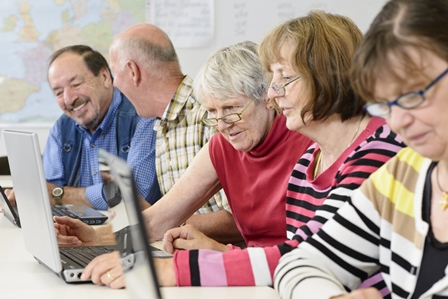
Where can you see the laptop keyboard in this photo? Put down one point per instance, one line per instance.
(64, 211)
(84, 254)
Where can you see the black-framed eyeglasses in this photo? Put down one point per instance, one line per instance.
(279, 88)
(228, 119)
(408, 100)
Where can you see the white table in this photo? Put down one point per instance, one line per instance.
(22, 277)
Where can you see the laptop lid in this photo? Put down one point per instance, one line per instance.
(9, 211)
(32, 197)
(36, 215)
(139, 270)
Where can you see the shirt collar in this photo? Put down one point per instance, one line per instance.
(179, 100)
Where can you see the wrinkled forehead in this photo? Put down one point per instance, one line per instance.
(213, 103)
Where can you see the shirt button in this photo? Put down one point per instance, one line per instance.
(93, 145)
(95, 173)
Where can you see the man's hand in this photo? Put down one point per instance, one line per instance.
(369, 293)
(187, 237)
(105, 270)
(11, 196)
(70, 231)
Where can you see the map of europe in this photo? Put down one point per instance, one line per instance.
(30, 31)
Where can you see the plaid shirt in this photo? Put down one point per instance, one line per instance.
(180, 136)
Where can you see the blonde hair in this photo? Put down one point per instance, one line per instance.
(322, 47)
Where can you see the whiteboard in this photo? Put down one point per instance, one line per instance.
(240, 20)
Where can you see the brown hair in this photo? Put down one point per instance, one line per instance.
(94, 60)
(322, 47)
(401, 24)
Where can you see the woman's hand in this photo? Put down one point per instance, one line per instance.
(105, 270)
(188, 238)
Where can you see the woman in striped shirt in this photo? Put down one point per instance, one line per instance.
(396, 222)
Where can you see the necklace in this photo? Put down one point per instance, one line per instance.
(319, 166)
(444, 201)
(357, 130)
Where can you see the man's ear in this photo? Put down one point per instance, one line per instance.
(134, 72)
(107, 79)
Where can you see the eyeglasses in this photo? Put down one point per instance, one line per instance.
(228, 119)
(279, 88)
(408, 100)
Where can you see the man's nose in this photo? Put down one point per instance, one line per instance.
(69, 96)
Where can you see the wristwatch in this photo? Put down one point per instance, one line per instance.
(57, 195)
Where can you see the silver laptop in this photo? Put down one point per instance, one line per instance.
(136, 253)
(36, 216)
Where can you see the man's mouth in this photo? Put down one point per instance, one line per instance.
(79, 107)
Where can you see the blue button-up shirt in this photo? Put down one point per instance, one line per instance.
(141, 157)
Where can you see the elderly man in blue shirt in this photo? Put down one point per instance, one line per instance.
(96, 115)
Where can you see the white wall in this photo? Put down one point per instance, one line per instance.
(240, 20)
(41, 130)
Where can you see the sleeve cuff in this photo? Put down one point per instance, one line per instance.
(94, 195)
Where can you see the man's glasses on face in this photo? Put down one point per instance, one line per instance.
(228, 119)
(408, 100)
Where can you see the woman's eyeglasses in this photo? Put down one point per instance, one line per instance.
(408, 100)
(279, 88)
(228, 119)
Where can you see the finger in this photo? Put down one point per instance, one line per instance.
(69, 221)
(87, 273)
(101, 264)
(167, 246)
(68, 240)
(168, 239)
(185, 244)
(118, 283)
(111, 275)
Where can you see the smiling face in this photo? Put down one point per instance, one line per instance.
(422, 128)
(255, 124)
(82, 96)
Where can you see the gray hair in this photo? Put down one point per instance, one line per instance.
(232, 72)
(152, 56)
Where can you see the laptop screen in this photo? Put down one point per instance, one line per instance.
(139, 271)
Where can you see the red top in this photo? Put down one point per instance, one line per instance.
(262, 174)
